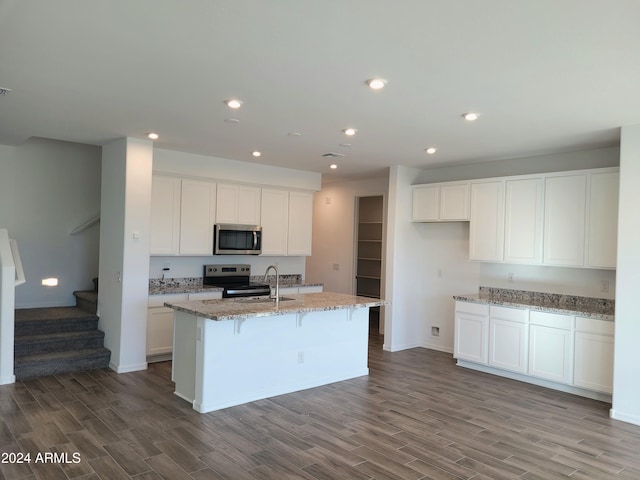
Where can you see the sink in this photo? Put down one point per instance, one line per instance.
(263, 300)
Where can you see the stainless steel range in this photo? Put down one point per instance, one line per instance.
(235, 280)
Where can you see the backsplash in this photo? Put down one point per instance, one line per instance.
(552, 300)
(175, 282)
(285, 279)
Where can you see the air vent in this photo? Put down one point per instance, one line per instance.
(4, 91)
(332, 155)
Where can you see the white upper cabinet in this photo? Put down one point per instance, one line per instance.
(486, 228)
(440, 202)
(564, 219)
(602, 220)
(426, 204)
(238, 204)
(286, 222)
(197, 216)
(454, 202)
(275, 221)
(523, 221)
(300, 223)
(165, 215)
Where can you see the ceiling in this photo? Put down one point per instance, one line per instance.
(545, 75)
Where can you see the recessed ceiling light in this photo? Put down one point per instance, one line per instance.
(233, 103)
(256, 153)
(350, 131)
(153, 135)
(471, 116)
(294, 134)
(431, 150)
(333, 166)
(377, 83)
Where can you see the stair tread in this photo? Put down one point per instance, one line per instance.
(58, 336)
(56, 356)
(52, 314)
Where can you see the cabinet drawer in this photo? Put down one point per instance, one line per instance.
(553, 320)
(593, 325)
(511, 314)
(158, 300)
(475, 308)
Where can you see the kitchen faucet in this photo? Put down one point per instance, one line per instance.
(277, 297)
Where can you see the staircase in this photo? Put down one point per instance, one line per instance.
(54, 340)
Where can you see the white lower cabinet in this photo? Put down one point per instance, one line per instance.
(551, 346)
(160, 324)
(593, 354)
(160, 321)
(471, 332)
(576, 352)
(508, 338)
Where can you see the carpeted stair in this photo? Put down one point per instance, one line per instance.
(55, 340)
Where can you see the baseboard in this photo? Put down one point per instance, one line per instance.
(438, 348)
(398, 348)
(127, 368)
(623, 417)
(9, 379)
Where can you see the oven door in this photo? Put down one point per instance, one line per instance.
(229, 239)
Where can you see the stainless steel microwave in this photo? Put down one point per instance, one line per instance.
(230, 239)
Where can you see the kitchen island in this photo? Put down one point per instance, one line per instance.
(233, 351)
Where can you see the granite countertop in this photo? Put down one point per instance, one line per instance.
(232, 309)
(598, 308)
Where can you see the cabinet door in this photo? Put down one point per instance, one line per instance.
(165, 215)
(248, 205)
(602, 220)
(227, 203)
(454, 202)
(594, 362)
(274, 219)
(508, 345)
(197, 217)
(564, 220)
(486, 227)
(550, 353)
(300, 223)
(523, 221)
(159, 331)
(471, 337)
(426, 204)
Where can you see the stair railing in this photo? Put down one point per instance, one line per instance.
(8, 282)
(85, 225)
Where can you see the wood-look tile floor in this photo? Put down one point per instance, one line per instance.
(416, 416)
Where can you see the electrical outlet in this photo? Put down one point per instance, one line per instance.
(604, 285)
(510, 277)
(300, 357)
(336, 266)
(435, 331)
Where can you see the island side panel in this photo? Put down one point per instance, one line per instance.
(239, 361)
(183, 370)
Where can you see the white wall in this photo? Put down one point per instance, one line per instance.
(202, 166)
(334, 209)
(7, 304)
(626, 384)
(124, 252)
(47, 189)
